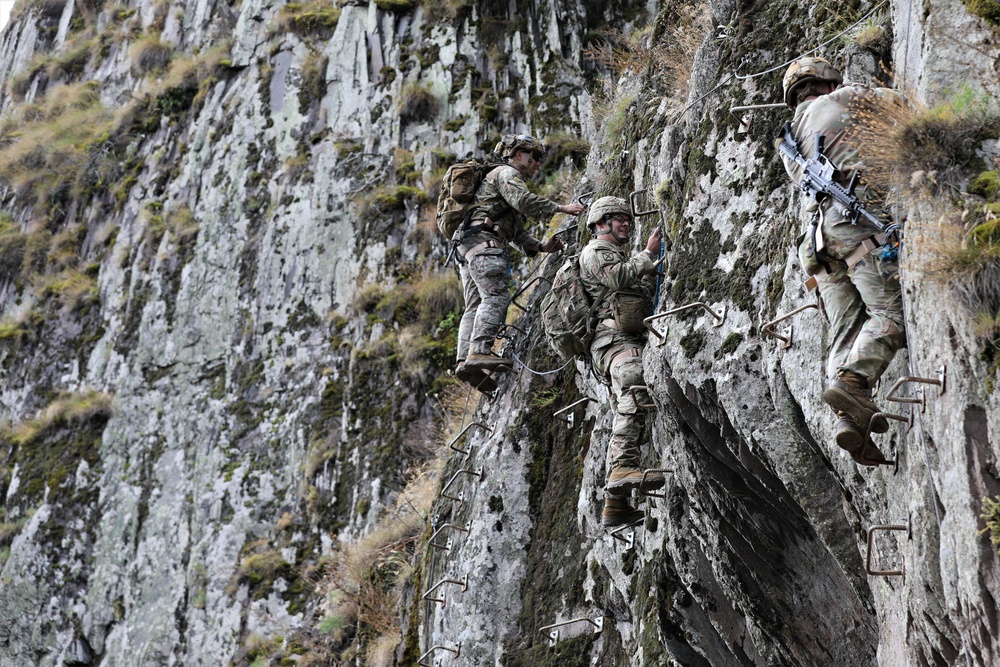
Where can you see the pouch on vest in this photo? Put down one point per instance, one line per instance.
(629, 310)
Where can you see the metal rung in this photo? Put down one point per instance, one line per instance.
(463, 582)
(745, 127)
(894, 462)
(642, 482)
(636, 213)
(526, 285)
(901, 572)
(447, 545)
(940, 382)
(465, 430)
(440, 647)
(569, 420)
(629, 538)
(768, 329)
(700, 304)
(461, 496)
(553, 629)
(644, 406)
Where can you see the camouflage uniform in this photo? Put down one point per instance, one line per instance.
(617, 356)
(503, 202)
(864, 304)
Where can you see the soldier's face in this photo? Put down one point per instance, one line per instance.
(621, 225)
(528, 163)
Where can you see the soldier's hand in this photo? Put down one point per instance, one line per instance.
(554, 244)
(576, 208)
(653, 244)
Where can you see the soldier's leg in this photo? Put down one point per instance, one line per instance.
(845, 312)
(472, 301)
(489, 270)
(625, 371)
(883, 333)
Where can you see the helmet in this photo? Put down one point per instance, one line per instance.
(511, 143)
(606, 206)
(805, 70)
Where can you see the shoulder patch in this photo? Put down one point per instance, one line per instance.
(608, 256)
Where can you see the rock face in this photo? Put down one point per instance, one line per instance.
(225, 326)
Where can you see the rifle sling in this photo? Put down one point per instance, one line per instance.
(868, 245)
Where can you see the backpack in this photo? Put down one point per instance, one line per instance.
(458, 192)
(567, 312)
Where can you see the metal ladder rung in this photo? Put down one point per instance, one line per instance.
(553, 629)
(440, 647)
(901, 572)
(768, 329)
(648, 322)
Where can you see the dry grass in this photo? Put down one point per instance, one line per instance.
(664, 53)
(417, 104)
(149, 55)
(77, 408)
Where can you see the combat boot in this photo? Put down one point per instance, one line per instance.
(847, 434)
(623, 479)
(487, 362)
(849, 394)
(617, 512)
(476, 377)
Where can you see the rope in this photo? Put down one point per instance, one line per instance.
(531, 370)
(744, 77)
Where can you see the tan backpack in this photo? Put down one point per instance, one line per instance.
(458, 193)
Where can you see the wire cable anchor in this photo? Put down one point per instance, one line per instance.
(648, 322)
(553, 630)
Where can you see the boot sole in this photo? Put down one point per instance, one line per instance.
(840, 400)
(489, 366)
(624, 487)
(870, 462)
(850, 440)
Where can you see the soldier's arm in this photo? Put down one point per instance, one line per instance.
(515, 191)
(615, 274)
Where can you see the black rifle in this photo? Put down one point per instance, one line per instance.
(817, 179)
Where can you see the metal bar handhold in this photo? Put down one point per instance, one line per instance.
(901, 572)
(643, 406)
(629, 538)
(569, 420)
(891, 395)
(636, 213)
(447, 545)
(868, 439)
(461, 496)
(465, 430)
(642, 483)
(553, 629)
(521, 291)
(700, 304)
(768, 329)
(751, 107)
(440, 647)
(463, 582)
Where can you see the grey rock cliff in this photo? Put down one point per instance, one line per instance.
(240, 263)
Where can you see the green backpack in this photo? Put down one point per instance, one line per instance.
(458, 193)
(568, 313)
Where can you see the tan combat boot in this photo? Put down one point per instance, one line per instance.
(622, 480)
(617, 512)
(851, 438)
(487, 362)
(849, 394)
(477, 378)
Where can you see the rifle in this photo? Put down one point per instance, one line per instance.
(817, 179)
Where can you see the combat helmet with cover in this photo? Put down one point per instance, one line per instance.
(605, 206)
(512, 143)
(806, 70)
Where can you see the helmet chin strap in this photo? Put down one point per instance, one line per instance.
(611, 232)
